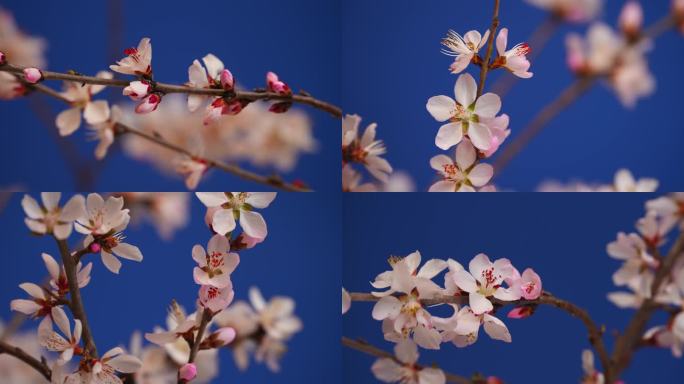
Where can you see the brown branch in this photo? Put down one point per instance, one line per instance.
(172, 88)
(594, 330)
(490, 49)
(551, 110)
(627, 342)
(76, 303)
(20, 354)
(273, 181)
(377, 352)
(567, 97)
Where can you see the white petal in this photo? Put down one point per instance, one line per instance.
(427, 338)
(212, 199)
(51, 265)
(27, 307)
(387, 370)
(60, 318)
(68, 121)
(431, 376)
(260, 199)
(197, 75)
(125, 363)
(223, 221)
(406, 351)
(128, 251)
(438, 162)
(388, 306)
(199, 255)
(50, 199)
(479, 303)
(96, 112)
(449, 135)
(481, 135)
(488, 105)
(253, 224)
(443, 186)
(431, 268)
(31, 207)
(481, 174)
(465, 90)
(496, 329)
(62, 231)
(441, 107)
(465, 281)
(213, 64)
(465, 155)
(73, 209)
(111, 262)
(33, 290)
(502, 41)
(194, 101)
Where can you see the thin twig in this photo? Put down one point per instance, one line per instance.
(195, 347)
(490, 49)
(594, 330)
(377, 352)
(274, 181)
(75, 292)
(20, 354)
(173, 88)
(626, 344)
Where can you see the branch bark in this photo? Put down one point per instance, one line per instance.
(490, 49)
(377, 352)
(173, 88)
(194, 348)
(20, 354)
(76, 305)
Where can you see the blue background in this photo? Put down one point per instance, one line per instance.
(298, 39)
(391, 65)
(562, 237)
(295, 260)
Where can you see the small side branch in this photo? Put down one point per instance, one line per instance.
(20, 354)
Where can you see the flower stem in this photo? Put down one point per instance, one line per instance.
(490, 49)
(194, 348)
(76, 305)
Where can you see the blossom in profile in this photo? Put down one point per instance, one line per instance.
(138, 61)
(365, 150)
(403, 369)
(68, 342)
(463, 48)
(514, 59)
(104, 370)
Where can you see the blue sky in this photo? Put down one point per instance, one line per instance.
(391, 65)
(297, 259)
(562, 237)
(251, 37)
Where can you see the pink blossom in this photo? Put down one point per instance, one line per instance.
(214, 266)
(529, 285)
(274, 85)
(631, 19)
(227, 80)
(149, 103)
(514, 59)
(138, 61)
(188, 372)
(216, 299)
(32, 75)
(463, 48)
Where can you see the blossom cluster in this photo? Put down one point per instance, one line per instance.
(102, 223)
(641, 260)
(215, 124)
(239, 325)
(472, 120)
(406, 295)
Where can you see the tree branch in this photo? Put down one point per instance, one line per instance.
(194, 348)
(172, 88)
(20, 354)
(377, 352)
(273, 181)
(490, 49)
(595, 331)
(76, 306)
(627, 343)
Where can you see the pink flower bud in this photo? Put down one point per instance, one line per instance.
(225, 335)
(137, 90)
(520, 312)
(227, 80)
(32, 75)
(95, 247)
(576, 59)
(531, 285)
(275, 85)
(188, 372)
(149, 103)
(280, 107)
(3, 58)
(631, 18)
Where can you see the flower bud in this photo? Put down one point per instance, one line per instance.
(275, 85)
(32, 75)
(631, 19)
(95, 247)
(188, 372)
(520, 312)
(224, 336)
(3, 58)
(227, 80)
(137, 90)
(149, 103)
